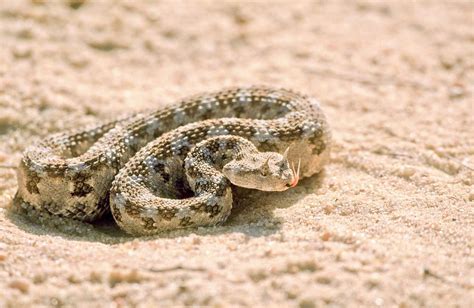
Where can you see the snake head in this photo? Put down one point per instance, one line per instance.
(267, 171)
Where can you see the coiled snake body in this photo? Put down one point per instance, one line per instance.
(173, 167)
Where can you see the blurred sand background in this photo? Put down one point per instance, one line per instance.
(390, 222)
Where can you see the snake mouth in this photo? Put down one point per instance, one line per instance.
(295, 173)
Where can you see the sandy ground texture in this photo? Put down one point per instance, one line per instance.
(390, 222)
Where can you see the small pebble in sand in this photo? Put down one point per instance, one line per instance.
(3, 157)
(325, 236)
(20, 284)
(306, 303)
(39, 278)
(73, 279)
(118, 276)
(456, 91)
(195, 240)
(323, 279)
(328, 209)
(95, 277)
(471, 196)
(406, 171)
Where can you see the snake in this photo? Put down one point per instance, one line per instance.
(175, 166)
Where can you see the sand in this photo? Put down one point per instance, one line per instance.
(390, 221)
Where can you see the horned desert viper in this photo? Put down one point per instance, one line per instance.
(173, 167)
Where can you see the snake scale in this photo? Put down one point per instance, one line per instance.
(173, 167)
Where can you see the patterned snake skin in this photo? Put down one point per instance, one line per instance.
(172, 168)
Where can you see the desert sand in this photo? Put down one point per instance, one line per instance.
(389, 222)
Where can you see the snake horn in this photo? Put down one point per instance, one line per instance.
(265, 164)
(285, 154)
